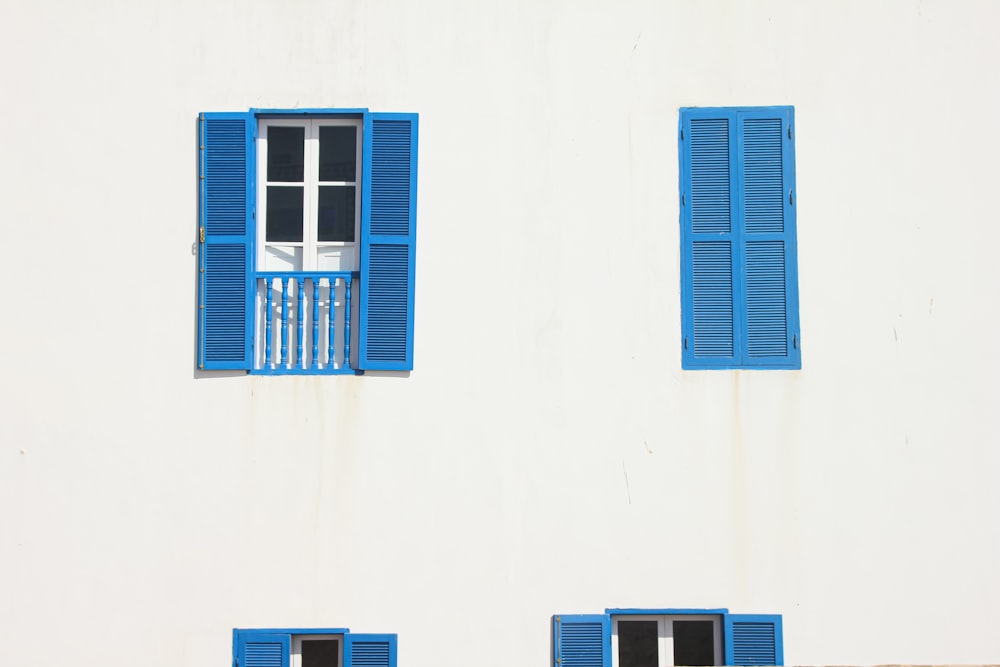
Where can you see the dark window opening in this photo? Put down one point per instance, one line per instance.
(637, 644)
(694, 643)
(320, 652)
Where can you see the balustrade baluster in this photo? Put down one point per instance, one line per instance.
(331, 313)
(299, 321)
(284, 322)
(267, 327)
(347, 322)
(315, 359)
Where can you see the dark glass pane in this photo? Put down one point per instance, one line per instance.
(284, 213)
(285, 153)
(337, 151)
(637, 644)
(336, 213)
(693, 643)
(319, 652)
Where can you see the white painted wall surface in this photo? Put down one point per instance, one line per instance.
(547, 455)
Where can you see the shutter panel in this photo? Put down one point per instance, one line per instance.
(768, 232)
(709, 257)
(369, 650)
(388, 241)
(581, 640)
(226, 154)
(753, 639)
(263, 649)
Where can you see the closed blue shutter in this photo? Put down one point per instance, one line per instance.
(226, 240)
(709, 250)
(768, 182)
(369, 650)
(739, 294)
(262, 649)
(388, 241)
(581, 640)
(753, 639)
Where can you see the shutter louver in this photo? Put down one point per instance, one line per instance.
(708, 241)
(581, 640)
(388, 238)
(712, 298)
(767, 178)
(226, 145)
(369, 650)
(263, 649)
(753, 639)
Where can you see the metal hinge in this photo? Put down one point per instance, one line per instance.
(789, 131)
(682, 199)
(685, 342)
(791, 197)
(795, 341)
(682, 134)
(201, 234)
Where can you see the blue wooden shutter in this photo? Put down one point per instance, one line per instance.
(581, 640)
(388, 241)
(226, 166)
(770, 292)
(262, 649)
(369, 650)
(709, 248)
(753, 639)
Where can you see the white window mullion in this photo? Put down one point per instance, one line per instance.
(665, 641)
(310, 227)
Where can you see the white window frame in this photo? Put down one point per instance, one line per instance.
(295, 658)
(311, 247)
(665, 635)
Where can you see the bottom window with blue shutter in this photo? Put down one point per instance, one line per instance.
(652, 637)
(312, 647)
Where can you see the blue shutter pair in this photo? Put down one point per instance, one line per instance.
(584, 640)
(739, 286)
(227, 234)
(272, 648)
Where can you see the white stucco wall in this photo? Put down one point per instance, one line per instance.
(547, 455)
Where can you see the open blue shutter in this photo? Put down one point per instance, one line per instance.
(753, 639)
(581, 640)
(709, 248)
(369, 650)
(767, 159)
(388, 241)
(226, 154)
(263, 649)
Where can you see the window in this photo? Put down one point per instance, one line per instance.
(739, 286)
(328, 647)
(307, 238)
(308, 194)
(664, 637)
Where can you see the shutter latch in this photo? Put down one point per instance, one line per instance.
(795, 341)
(791, 197)
(201, 234)
(685, 342)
